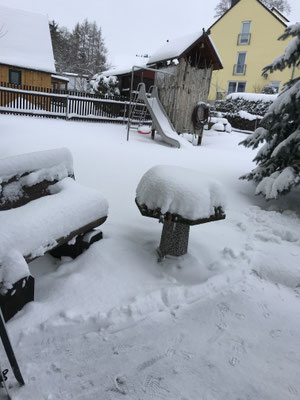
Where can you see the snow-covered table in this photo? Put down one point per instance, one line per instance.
(179, 197)
(42, 209)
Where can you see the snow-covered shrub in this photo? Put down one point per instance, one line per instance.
(106, 85)
(252, 103)
(268, 89)
(278, 160)
(245, 110)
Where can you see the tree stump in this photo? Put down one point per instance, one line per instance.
(174, 239)
(179, 198)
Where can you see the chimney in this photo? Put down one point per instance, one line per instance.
(233, 2)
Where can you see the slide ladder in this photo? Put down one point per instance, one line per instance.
(160, 119)
(138, 112)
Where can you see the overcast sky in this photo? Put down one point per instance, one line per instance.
(134, 26)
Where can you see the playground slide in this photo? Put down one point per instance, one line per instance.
(159, 117)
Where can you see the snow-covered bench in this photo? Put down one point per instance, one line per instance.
(42, 209)
(179, 198)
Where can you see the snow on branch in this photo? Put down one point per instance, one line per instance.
(278, 159)
(291, 55)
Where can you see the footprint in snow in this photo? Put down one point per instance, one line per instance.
(275, 333)
(233, 361)
(149, 363)
(239, 316)
(55, 368)
(155, 388)
(120, 385)
(293, 390)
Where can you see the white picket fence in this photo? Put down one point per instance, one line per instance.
(80, 106)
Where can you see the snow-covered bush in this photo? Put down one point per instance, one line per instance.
(252, 103)
(245, 110)
(106, 85)
(278, 160)
(268, 89)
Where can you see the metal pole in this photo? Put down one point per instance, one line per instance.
(130, 103)
(9, 351)
(131, 90)
(67, 107)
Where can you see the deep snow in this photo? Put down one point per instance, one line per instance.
(220, 323)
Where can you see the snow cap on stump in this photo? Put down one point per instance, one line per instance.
(181, 191)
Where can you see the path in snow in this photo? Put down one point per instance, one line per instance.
(239, 343)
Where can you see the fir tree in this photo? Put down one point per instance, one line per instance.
(81, 51)
(88, 49)
(60, 37)
(278, 160)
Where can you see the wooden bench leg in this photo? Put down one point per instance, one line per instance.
(15, 299)
(174, 240)
(78, 245)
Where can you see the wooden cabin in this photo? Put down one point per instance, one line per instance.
(190, 61)
(59, 82)
(26, 56)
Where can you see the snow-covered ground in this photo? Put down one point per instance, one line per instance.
(222, 322)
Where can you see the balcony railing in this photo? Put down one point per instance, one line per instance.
(239, 69)
(244, 38)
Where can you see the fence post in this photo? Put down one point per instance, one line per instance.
(67, 107)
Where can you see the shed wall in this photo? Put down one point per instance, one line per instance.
(179, 93)
(29, 78)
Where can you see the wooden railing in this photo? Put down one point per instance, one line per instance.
(44, 102)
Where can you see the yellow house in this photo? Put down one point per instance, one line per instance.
(246, 38)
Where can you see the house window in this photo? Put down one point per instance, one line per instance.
(245, 35)
(240, 66)
(15, 77)
(276, 85)
(234, 86)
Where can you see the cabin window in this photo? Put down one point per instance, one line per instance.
(15, 77)
(245, 35)
(234, 86)
(240, 66)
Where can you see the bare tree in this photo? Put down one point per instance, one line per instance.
(281, 5)
(222, 7)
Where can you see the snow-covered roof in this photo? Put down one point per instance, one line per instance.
(178, 47)
(26, 40)
(174, 48)
(279, 14)
(122, 71)
(60, 78)
(75, 75)
(215, 49)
